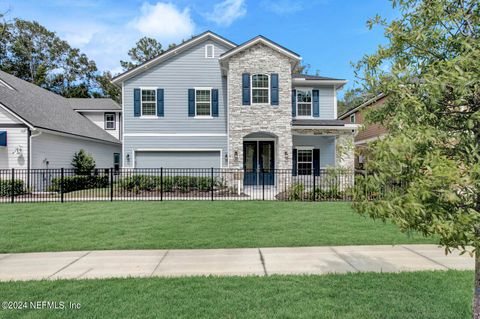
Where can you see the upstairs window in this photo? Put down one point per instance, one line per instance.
(203, 102)
(304, 102)
(110, 121)
(149, 102)
(209, 51)
(260, 89)
(352, 118)
(304, 162)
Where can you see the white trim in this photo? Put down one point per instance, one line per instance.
(123, 128)
(335, 104)
(210, 102)
(170, 53)
(99, 111)
(206, 51)
(354, 118)
(177, 150)
(346, 127)
(256, 41)
(338, 84)
(8, 86)
(154, 89)
(260, 88)
(303, 148)
(16, 116)
(311, 103)
(311, 162)
(175, 134)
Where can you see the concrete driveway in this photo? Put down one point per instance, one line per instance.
(228, 262)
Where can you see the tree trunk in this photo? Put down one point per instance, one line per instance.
(476, 297)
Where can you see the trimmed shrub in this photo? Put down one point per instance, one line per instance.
(79, 182)
(296, 192)
(170, 183)
(6, 187)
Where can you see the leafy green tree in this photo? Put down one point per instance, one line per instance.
(83, 163)
(106, 88)
(352, 98)
(145, 49)
(31, 52)
(430, 161)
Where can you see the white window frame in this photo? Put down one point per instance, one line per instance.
(114, 121)
(311, 102)
(195, 103)
(141, 102)
(206, 51)
(252, 88)
(302, 149)
(352, 116)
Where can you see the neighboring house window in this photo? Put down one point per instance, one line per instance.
(304, 102)
(109, 121)
(352, 118)
(304, 162)
(209, 51)
(116, 161)
(260, 88)
(149, 102)
(203, 102)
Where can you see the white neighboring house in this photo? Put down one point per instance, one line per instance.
(40, 129)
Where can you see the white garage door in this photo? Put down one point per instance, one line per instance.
(177, 159)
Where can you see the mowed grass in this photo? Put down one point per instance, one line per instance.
(188, 224)
(362, 295)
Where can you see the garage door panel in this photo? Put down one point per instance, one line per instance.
(177, 159)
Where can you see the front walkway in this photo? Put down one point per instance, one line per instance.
(228, 262)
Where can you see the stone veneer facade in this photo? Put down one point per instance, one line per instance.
(260, 118)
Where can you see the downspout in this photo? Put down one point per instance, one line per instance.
(30, 157)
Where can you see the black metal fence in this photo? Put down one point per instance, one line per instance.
(67, 185)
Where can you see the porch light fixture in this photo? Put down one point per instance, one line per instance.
(235, 156)
(286, 155)
(128, 158)
(226, 156)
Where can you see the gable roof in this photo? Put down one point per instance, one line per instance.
(94, 104)
(170, 53)
(263, 40)
(43, 109)
(362, 105)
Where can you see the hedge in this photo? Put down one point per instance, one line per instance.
(6, 187)
(170, 183)
(79, 182)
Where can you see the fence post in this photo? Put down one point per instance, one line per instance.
(161, 183)
(12, 186)
(211, 181)
(111, 184)
(62, 179)
(314, 186)
(263, 183)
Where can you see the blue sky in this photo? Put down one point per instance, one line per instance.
(328, 34)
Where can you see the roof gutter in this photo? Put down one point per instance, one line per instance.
(368, 102)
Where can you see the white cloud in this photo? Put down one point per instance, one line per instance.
(283, 7)
(226, 12)
(165, 21)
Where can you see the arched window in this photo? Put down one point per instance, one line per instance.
(260, 88)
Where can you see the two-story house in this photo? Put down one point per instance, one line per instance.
(367, 133)
(212, 103)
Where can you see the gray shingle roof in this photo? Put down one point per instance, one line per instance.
(314, 77)
(94, 104)
(47, 110)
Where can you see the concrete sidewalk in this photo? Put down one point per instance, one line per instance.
(228, 262)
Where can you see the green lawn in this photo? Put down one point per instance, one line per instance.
(188, 224)
(363, 295)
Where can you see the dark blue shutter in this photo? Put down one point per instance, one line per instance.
(274, 89)
(294, 162)
(3, 138)
(294, 103)
(316, 103)
(316, 161)
(136, 102)
(191, 102)
(246, 89)
(160, 102)
(215, 102)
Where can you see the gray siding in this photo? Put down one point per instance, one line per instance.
(59, 150)
(327, 101)
(326, 144)
(178, 159)
(135, 144)
(189, 69)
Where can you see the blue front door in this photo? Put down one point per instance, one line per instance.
(259, 163)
